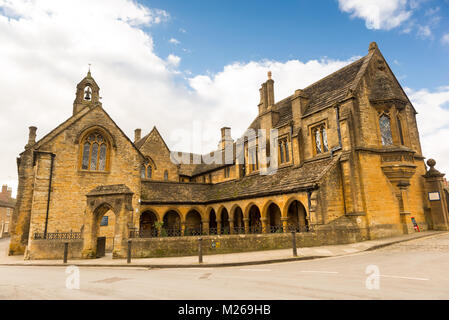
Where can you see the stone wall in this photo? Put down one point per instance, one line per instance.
(54, 249)
(188, 246)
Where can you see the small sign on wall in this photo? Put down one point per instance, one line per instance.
(434, 196)
(104, 221)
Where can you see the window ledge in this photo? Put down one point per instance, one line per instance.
(94, 172)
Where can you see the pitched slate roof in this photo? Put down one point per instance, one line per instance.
(8, 204)
(289, 179)
(333, 88)
(111, 189)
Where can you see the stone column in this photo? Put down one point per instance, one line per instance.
(438, 203)
(265, 225)
(246, 225)
(183, 228)
(218, 226)
(206, 227)
(284, 224)
(404, 207)
(231, 226)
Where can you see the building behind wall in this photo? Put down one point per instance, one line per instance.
(347, 157)
(7, 204)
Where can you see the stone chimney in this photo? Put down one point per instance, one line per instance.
(6, 194)
(137, 135)
(31, 137)
(266, 95)
(299, 104)
(226, 138)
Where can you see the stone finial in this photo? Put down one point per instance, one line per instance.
(432, 172)
(269, 75)
(372, 46)
(31, 136)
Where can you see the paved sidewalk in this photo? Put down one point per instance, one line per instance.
(220, 260)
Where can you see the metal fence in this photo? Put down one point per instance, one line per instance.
(58, 236)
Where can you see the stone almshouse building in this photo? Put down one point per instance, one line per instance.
(350, 167)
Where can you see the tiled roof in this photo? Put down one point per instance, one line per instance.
(285, 180)
(8, 204)
(323, 93)
(333, 88)
(111, 189)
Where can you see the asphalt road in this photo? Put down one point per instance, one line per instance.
(415, 269)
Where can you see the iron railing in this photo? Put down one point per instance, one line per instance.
(153, 233)
(58, 236)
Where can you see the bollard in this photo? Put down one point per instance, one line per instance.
(295, 251)
(129, 252)
(66, 251)
(200, 250)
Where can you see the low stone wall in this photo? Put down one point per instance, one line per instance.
(188, 246)
(54, 249)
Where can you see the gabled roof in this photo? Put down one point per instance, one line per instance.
(139, 144)
(73, 119)
(335, 87)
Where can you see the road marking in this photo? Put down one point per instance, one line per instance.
(311, 271)
(407, 278)
(257, 270)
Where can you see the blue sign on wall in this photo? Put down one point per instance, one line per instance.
(104, 221)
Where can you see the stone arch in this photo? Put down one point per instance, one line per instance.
(273, 214)
(89, 129)
(237, 216)
(147, 227)
(254, 216)
(224, 218)
(116, 198)
(213, 221)
(172, 223)
(193, 223)
(297, 217)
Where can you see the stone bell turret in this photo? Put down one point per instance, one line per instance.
(87, 94)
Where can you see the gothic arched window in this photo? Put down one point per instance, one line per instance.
(385, 130)
(146, 171)
(95, 152)
(320, 138)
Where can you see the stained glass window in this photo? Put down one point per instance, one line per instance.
(385, 130)
(283, 151)
(86, 149)
(94, 153)
(149, 172)
(318, 140)
(401, 136)
(320, 136)
(325, 147)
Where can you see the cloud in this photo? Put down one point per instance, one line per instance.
(174, 41)
(445, 39)
(47, 45)
(424, 32)
(433, 123)
(45, 51)
(173, 60)
(378, 14)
